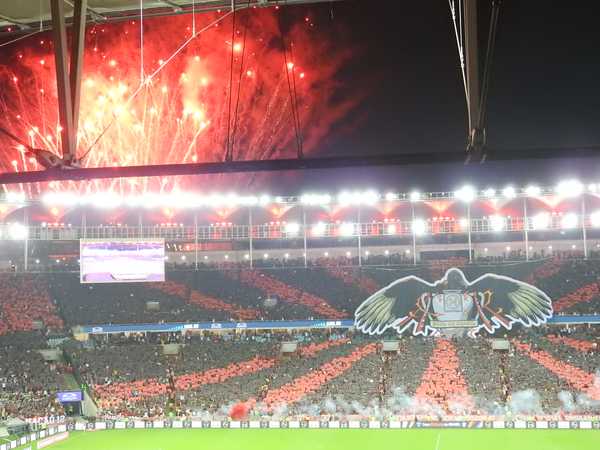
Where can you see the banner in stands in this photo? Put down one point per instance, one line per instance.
(453, 305)
(180, 326)
(175, 327)
(57, 433)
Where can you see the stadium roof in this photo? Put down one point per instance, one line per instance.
(31, 15)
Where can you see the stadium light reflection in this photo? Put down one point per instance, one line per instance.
(17, 232)
(318, 229)
(497, 223)
(346, 229)
(419, 227)
(595, 219)
(540, 221)
(569, 221)
(292, 228)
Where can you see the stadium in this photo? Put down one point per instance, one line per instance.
(188, 259)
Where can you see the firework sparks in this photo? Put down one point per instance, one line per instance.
(181, 114)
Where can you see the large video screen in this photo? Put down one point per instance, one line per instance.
(122, 261)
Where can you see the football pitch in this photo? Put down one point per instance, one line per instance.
(353, 439)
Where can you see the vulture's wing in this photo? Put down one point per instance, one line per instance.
(390, 306)
(519, 301)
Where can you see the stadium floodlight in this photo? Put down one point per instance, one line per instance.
(509, 192)
(348, 198)
(183, 258)
(573, 246)
(465, 194)
(497, 223)
(318, 229)
(540, 221)
(226, 256)
(348, 254)
(315, 199)
(595, 219)
(347, 229)
(533, 191)
(415, 196)
(61, 199)
(508, 248)
(15, 197)
(247, 200)
(569, 188)
(292, 228)
(419, 227)
(391, 196)
(326, 254)
(266, 256)
(367, 252)
(569, 221)
(485, 250)
(264, 200)
(391, 228)
(286, 256)
(17, 232)
(106, 200)
(247, 256)
(490, 192)
(369, 197)
(386, 252)
(37, 261)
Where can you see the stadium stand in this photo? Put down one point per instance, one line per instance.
(25, 304)
(28, 384)
(332, 374)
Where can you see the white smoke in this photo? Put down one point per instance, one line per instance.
(525, 402)
(567, 401)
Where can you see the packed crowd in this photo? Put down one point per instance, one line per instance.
(330, 373)
(51, 301)
(28, 384)
(25, 304)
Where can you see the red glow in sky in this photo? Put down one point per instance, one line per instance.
(181, 115)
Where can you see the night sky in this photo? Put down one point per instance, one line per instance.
(544, 89)
(405, 69)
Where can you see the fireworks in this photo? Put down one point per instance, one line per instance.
(180, 115)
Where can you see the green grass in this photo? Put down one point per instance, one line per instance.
(353, 439)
